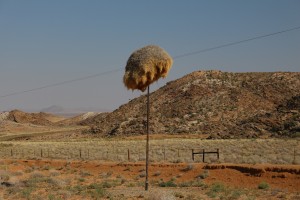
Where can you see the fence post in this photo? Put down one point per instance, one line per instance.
(178, 153)
(203, 152)
(41, 152)
(193, 154)
(164, 154)
(218, 154)
(11, 152)
(128, 154)
(139, 156)
(294, 160)
(79, 153)
(88, 153)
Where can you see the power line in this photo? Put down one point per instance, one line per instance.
(175, 58)
(63, 82)
(235, 43)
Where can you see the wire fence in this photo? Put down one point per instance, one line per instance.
(273, 151)
(156, 155)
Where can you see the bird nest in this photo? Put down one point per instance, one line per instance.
(145, 66)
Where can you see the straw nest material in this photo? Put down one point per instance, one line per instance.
(145, 66)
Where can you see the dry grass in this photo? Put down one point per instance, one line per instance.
(274, 151)
(161, 195)
(33, 130)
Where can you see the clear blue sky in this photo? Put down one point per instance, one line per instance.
(45, 42)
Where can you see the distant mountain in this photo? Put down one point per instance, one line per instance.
(40, 118)
(70, 112)
(77, 120)
(219, 104)
(53, 109)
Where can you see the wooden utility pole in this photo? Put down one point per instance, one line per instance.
(147, 141)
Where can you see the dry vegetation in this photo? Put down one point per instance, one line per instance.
(252, 118)
(274, 151)
(213, 103)
(103, 170)
(54, 179)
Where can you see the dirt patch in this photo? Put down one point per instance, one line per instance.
(249, 176)
(126, 179)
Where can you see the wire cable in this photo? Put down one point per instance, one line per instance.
(174, 58)
(63, 82)
(235, 43)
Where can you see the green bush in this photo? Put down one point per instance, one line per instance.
(98, 193)
(215, 189)
(186, 184)
(51, 197)
(263, 185)
(204, 175)
(26, 192)
(106, 184)
(197, 183)
(296, 135)
(167, 184)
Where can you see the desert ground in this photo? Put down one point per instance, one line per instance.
(251, 119)
(67, 165)
(79, 179)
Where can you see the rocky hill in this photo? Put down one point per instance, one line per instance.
(78, 119)
(44, 119)
(219, 104)
(40, 118)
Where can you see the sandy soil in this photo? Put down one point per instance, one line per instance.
(192, 181)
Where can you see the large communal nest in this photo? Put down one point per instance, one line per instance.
(145, 66)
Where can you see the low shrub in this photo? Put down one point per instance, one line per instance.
(204, 175)
(263, 185)
(169, 183)
(189, 167)
(215, 189)
(157, 173)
